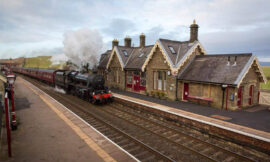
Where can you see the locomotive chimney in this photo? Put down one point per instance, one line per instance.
(142, 40)
(114, 43)
(193, 32)
(127, 42)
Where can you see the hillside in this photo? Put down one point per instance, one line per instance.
(42, 62)
(266, 70)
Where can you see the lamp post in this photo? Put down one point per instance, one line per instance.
(11, 79)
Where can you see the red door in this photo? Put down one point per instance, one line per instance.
(185, 91)
(136, 83)
(250, 94)
(239, 99)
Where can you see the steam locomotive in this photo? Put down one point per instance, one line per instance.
(89, 87)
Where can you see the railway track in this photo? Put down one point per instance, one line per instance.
(142, 137)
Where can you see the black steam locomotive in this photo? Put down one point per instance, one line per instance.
(89, 87)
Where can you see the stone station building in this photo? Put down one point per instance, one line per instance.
(181, 70)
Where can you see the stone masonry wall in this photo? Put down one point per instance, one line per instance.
(210, 91)
(114, 68)
(250, 79)
(191, 57)
(157, 63)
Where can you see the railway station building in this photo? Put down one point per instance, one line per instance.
(122, 67)
(182, 70)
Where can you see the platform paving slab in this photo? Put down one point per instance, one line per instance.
(49, 132)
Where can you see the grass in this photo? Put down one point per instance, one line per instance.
(266, 70)
(41, 62)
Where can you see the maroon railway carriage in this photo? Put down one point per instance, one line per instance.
(46, 75)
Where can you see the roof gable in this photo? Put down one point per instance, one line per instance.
(138, 57)
(182, 52)
(104, 59)
(124, 53)
(117, 53)
(252, 61)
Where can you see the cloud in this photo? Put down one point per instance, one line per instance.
(119, 28)
(225, 25)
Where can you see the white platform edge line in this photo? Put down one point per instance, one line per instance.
(85, 122)
(203, 121)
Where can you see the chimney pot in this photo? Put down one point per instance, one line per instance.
(142, 40)
(115, 42)
(127, 42)
(229, 60)
(235, 60)
(193, 32)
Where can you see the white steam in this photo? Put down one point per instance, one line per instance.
(60, 90)
(59, 59)
(81, 47)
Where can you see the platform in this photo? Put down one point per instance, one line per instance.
(47, 131)
(253, 122)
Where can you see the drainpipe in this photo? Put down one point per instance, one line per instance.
(125, 82)
(176, 86)
(223, 87)
(227, 93)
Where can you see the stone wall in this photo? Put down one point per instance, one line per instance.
(158, 63)
(251, 78)
(190, 58)
(210, 91)
(159, 59)
(116, 76)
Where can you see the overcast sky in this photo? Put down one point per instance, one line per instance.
(37, 27)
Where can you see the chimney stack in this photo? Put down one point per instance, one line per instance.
(142, 40)
(193, 32)
(127, 42)
(235, 60)
(114, 43)
(229, 61)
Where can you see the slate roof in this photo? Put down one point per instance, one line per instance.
(104, 58)
(121, 50)
(138, 57)
(134, 58)
(180, 48)
(215, 68)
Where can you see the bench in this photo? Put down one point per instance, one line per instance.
(207, 99)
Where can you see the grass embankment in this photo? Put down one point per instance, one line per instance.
(266, 70)
(41, 62)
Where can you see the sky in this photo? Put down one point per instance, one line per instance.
(37, 27)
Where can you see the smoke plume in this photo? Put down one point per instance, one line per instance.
(81, 47)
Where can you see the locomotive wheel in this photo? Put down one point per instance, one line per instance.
(92, 100)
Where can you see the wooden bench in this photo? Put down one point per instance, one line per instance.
(207, 99)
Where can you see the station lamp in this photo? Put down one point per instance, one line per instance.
(11, 79)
